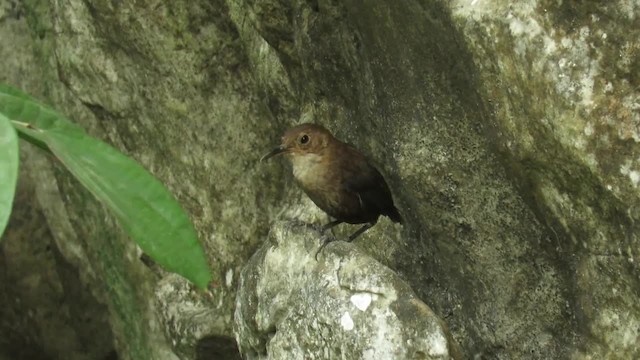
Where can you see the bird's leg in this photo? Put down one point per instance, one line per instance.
(351, 238)
(327, 240)
(361, 230)
(330, 225)
(325, 243)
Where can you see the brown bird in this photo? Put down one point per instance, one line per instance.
(337, 178)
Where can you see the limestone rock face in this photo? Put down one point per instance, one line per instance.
(346, 305)
(561, 79)
(509, 134)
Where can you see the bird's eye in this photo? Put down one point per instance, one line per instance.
(304, 139)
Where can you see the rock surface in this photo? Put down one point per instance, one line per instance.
(346, 305)
(566, 106)
(509, 134)
(45, 312)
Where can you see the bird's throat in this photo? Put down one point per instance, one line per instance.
(308, 169)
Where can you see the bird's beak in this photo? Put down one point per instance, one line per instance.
(279, 150)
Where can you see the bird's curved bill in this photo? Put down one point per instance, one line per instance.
(272, 153)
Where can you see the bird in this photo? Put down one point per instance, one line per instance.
(337, 177)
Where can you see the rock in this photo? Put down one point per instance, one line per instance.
(193, 320)
(45, 312)
(561, 80)
(346, 305)
(508, 133)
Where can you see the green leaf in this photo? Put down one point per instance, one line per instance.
(146, 211)
(142, 205)
(8, 170)
(24, 110)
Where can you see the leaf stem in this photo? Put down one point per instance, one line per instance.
(25, 125)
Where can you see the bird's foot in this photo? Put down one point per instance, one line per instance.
(326, 242)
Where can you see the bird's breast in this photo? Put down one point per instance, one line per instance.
(314, 175)
(308, 170)
(322, 181)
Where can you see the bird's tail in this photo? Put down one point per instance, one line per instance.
(394, 215)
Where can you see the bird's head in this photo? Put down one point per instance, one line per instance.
(302, 140)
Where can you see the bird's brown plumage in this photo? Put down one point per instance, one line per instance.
(337, 177)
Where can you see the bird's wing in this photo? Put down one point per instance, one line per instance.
(369, 185)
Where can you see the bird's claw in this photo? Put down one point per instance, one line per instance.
(325, 243)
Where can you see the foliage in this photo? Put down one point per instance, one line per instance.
(143, 206)
(8, 169)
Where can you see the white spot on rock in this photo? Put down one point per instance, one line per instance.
(346, 322)
(635, 177)
(549, 45)
(437, 345)
(608, 87)
(228, 277)
(361, 300)
(588, 130)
